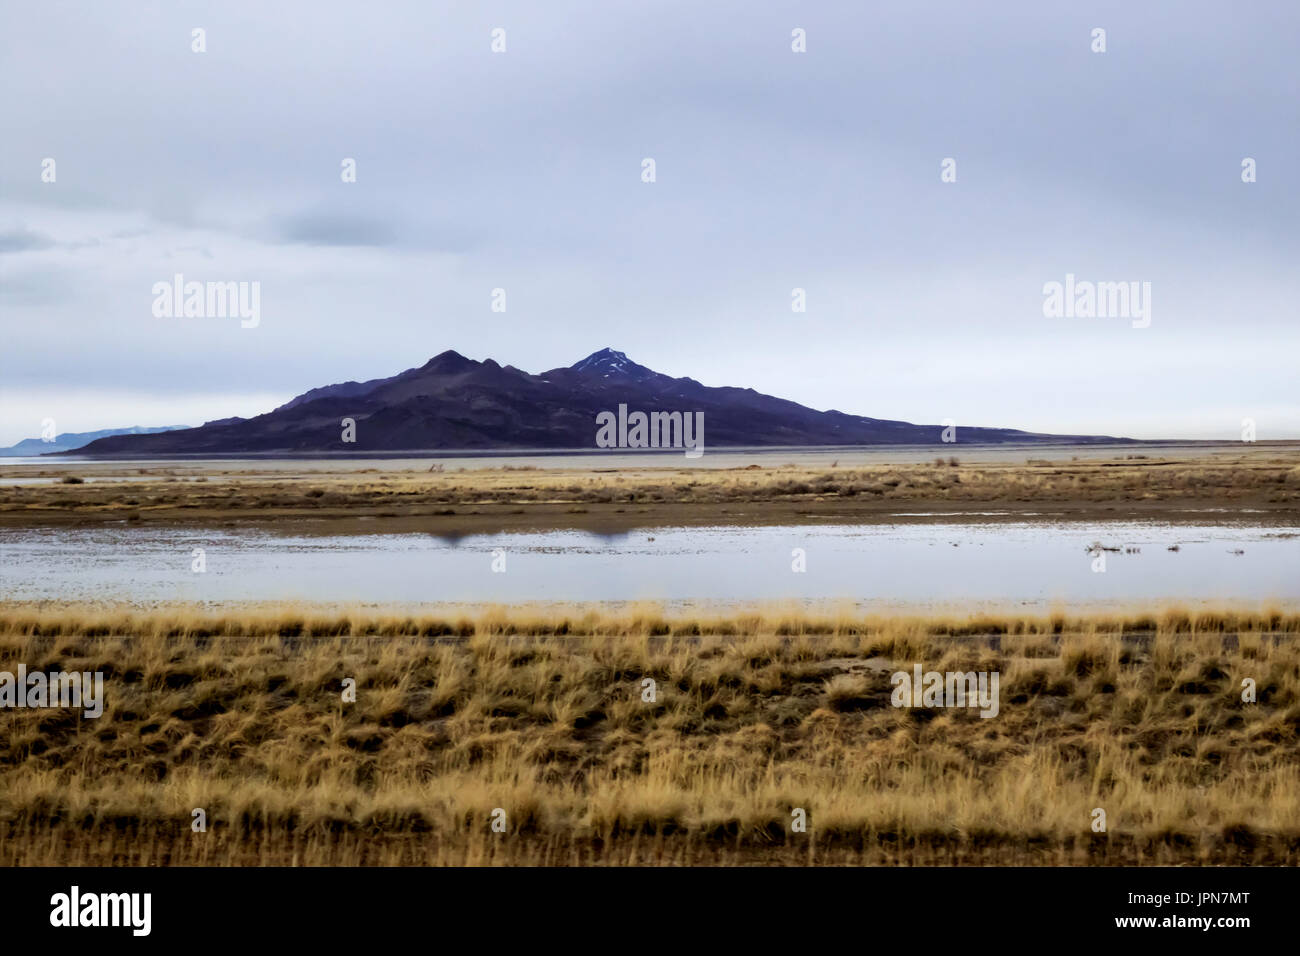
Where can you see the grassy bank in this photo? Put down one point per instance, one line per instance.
(1266, 481)
(543, 716)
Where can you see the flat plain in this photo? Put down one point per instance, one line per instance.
(537, 720)
(350, 497)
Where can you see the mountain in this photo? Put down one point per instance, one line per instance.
(72, 441)
(455, 403)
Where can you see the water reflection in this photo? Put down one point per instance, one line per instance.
(904, 563)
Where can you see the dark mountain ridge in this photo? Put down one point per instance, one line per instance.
(456, 403)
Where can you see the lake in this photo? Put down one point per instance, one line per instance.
(906, 564)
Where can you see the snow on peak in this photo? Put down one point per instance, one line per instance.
(607, 362)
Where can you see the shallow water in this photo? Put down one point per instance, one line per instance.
(1037, 563)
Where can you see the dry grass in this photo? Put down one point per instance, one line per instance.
(508, 497)
(541, 715)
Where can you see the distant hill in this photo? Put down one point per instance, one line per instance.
(453, 403)
(72, 441)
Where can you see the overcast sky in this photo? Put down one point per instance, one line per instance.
(774, 170)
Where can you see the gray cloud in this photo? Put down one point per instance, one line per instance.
(775, 170)
(24, 240)
(332, 229)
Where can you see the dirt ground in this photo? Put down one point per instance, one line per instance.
(1262, 483)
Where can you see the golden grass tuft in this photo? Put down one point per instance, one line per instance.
(543, 714)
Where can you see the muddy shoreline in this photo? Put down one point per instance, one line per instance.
(608, 518)
(1256, 485)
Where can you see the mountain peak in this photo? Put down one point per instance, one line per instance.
(608, 362)
(454, 402)
(450, 359)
